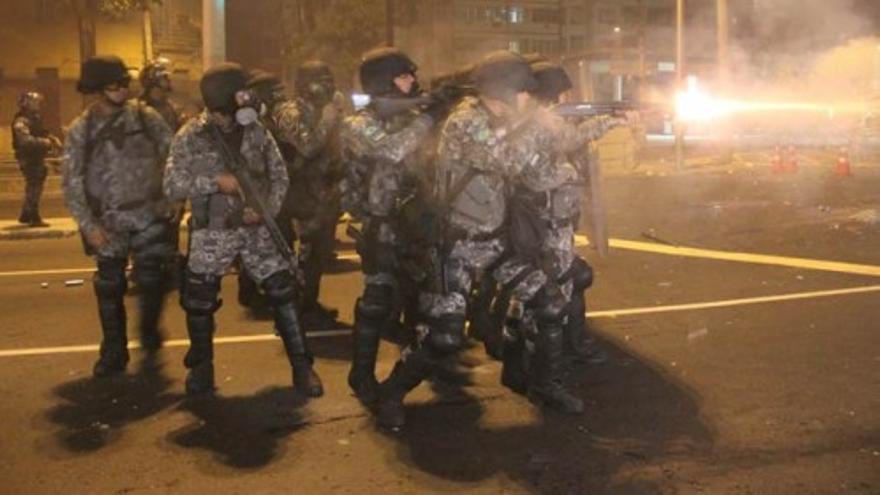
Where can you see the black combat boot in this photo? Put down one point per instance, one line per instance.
(200, 356)
(151, 300)
(513, 370)
(362, 376)
(546, 387)
(113, 356)
(413, 367)
(580, 347)
(305, 380)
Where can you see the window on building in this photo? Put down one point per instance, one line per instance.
(514, 46)
(516, 15)
(545, 16)
(661, 16)
(632, 16)
(577, 15)
(607, 15)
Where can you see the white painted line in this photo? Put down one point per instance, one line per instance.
(242, 339)
(733, 302)
(60, 271)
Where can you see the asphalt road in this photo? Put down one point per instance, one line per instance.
(768, 383)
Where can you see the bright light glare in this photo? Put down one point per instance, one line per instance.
(696, 105)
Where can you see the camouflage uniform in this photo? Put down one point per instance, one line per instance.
(31, 143)
(308, 137)
(216, 240)
(169, 111)
(382, 160)
(219, 237)
(112, 179)
(551, 187)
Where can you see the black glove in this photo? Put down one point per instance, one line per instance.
(443, 100)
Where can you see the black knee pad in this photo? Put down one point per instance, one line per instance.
(549, 305)
(280, 288)
(446, 335)
(200, 297)
(580, 273)
(377, 303)
(110, 279)
(149, 271)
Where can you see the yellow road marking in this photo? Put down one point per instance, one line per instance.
(759, 259)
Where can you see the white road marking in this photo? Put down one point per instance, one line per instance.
(243, 339)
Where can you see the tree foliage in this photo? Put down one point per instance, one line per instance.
(336, 31)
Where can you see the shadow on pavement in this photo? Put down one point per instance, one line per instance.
(635, 417)
(93, 412)
(245, 432)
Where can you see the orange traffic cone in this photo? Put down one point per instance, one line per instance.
(776, 160)
(842, 168)
(790, 161)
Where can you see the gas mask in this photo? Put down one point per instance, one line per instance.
(320, 92)
(250, 109)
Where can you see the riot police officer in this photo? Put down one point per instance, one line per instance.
(112, 181)
(155, 79)
(380, 146)
(31, 142)
(306, 128)
(482, 145)
(225, 226)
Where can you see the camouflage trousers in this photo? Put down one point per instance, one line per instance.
(156, 241)
(212, 252)
(466, 263)
(35, 173)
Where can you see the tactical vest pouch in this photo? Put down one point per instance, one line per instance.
(565, 202)
(526, 228)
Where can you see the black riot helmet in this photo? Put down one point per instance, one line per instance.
(314, 81)
(29, 97)
(266, 86)
(552, 81)
(219, 85)
(502, 74)
(157, 73)
(101, 71)
(380, 66)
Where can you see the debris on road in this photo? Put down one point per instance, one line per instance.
(44, 285)
(76, 282)
(698, 334)
(651, 234)
(870, 216)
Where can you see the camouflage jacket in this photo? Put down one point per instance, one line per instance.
(112, 176)
(195, 161)
(473, 140)
(381, 157)
(29, 137)
(168, 110)
(553, 183)
(308, 137)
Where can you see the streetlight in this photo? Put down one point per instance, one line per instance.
(679, 78)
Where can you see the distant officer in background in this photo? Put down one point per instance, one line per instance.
(306, 128)
(156, 90)
(112, 180)
(32, 142)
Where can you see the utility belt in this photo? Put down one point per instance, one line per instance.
(455, 233)
(215, 212)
